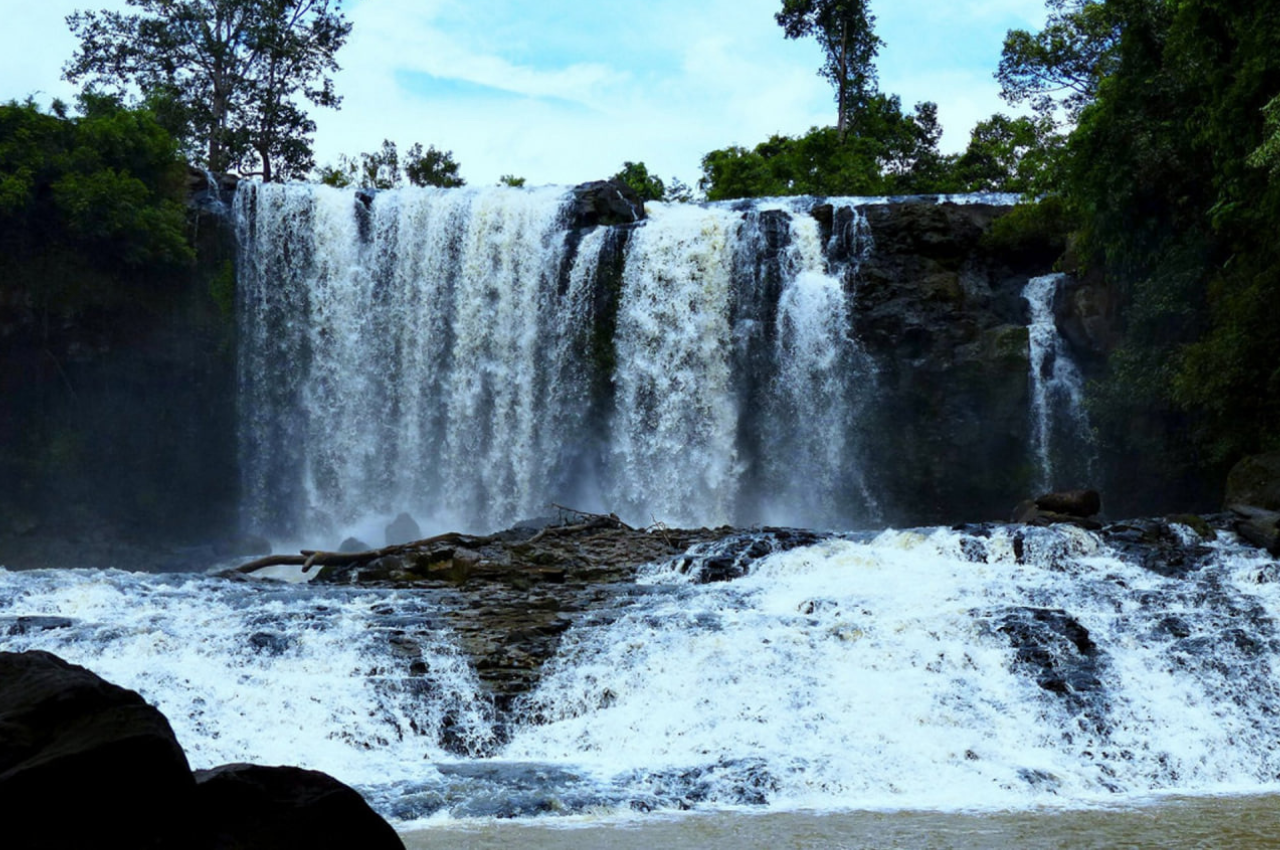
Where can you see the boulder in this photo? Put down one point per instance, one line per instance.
(353, 544)
(1258, 526)
(403, 529)
(250, 807)
(99, 754)
(1255, 481)
(85, 763)
(1072, 503)
(604, 203)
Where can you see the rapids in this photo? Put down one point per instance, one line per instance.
(991, 668)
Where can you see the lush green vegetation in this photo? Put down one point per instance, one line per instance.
(383, 169)
(1170, 176)
(87, 201)
(228, 76)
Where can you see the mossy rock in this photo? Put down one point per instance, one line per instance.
(1255, 481)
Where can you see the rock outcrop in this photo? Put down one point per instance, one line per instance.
(71, 742)
(944, 320)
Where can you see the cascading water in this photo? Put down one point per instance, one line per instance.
(1060, 425)
(445, 353)
(931, 669)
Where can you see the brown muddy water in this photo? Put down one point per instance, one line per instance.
(1234, 823)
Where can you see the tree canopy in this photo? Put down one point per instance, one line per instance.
(230, 76)
(383, 169)
(845, 29)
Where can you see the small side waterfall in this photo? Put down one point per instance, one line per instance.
(1060, 424)
(466, 356)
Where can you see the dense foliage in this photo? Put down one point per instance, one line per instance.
(87, 196)
(383, 169)
(1170, 176)
(230, 76)
(845, 29)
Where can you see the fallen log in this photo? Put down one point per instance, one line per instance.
(309, 558)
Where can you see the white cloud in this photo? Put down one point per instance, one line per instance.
(664, 81)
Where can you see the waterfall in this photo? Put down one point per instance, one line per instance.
(468, 357)
(1060, 426)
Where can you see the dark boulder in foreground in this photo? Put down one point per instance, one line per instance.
(262, 808)
(73, 743)
(85, 763)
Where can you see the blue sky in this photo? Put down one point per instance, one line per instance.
(562, 92)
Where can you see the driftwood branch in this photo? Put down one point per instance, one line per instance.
(309, 558)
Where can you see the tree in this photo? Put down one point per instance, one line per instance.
(1010, 155)
(511, 181)
(382, 169)
(432, 168)
(234, 71)
(636, 175)
(844, 28)
(1064, 62)
(677, 192)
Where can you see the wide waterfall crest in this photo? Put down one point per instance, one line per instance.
(468, 357)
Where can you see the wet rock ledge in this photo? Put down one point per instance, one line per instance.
(509, 597)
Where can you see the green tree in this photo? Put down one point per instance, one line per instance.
(1163, 173)
(1010, 155)
(235, 72)
(636, 175)
(677, 192)
(108, 185)
(511, 180)
(384, 169)
(432, 168)
(845, 30)
(1063, 63)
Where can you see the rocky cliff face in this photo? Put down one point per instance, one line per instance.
(117, 430)
(942, 315)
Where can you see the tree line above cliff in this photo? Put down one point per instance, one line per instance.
(1154, 137)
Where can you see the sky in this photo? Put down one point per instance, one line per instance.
(564, 91)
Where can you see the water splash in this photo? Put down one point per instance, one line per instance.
(463, 356)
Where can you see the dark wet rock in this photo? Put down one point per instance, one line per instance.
(269, 643)
(944, 321)
(248, 807)
(1085, 312)
(1058, 652)
(1255, 481)
(403, 529)
(32, 624)
(352, 544)
(510, 596)
(1156, 546)
(1073, 503)
(603, 202)
(1196, 523)
(68, 737)
(739, 782)
(1258, 526)
(731, 557)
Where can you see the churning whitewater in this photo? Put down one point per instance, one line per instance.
(929, 669)
(468, 357)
